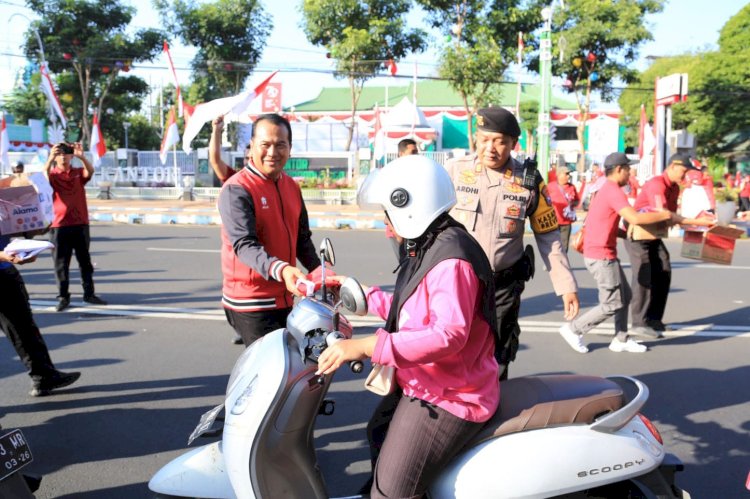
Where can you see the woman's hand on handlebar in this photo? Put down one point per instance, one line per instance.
(341, 278)
(343, 351)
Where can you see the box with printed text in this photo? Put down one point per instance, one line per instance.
(715, 244)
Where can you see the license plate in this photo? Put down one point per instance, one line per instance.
(206, 423)
(14, 453)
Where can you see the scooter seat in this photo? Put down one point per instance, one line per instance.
(535, 402)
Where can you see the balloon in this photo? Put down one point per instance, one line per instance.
(228, 66)
(591, 57)
(105, 69)
(567, 83)
(594, 76)
(67, 56)
(577, 62)
(119, 64)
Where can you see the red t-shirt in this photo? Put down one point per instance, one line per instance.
(658, 192)
(69, 197)
(600, 241)
(562, 196)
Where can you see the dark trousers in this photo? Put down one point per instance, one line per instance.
(651, 278)
(744, 204)
(507, 308)
(67, 240)
(18, 324)
(416, 447)
(565, 236)
(252, 326)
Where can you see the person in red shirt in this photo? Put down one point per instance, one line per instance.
(70, 229)
(564, 200)
(745, 193)
(649, 258)
(600, 257)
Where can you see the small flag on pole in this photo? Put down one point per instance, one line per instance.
(48, 89)
(207, 111)
(174, 76)
(97, 148)
(391, 66)
(378, 143)
(171, 136)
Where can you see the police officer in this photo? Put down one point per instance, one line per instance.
(496, 194)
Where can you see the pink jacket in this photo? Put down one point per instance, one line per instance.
(444, 348)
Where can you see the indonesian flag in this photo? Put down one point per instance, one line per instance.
(207, 111)
(171, 136)
(97, 148)
(391, 66)
(520, 47)
(188, 111)
(48, 89)
(174, 75)
(4, 144)
(646, 139)
(378, 143)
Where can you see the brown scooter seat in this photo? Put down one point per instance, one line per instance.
(535, 402)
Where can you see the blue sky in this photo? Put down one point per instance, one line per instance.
(684, 25)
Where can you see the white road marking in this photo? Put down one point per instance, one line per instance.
(217, 314)
(184, 250)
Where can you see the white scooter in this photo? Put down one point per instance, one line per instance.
(577, 436)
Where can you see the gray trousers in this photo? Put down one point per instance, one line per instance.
(614, 297)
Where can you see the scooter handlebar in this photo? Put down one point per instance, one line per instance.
(334, 337)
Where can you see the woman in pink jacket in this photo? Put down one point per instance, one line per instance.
(440, 332)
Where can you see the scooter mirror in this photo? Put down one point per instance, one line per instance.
(326, 251)
(353, 297)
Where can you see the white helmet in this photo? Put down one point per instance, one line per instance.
(413, 190)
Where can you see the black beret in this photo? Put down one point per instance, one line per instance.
(498, 120)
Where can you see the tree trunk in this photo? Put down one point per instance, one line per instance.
(356, 91)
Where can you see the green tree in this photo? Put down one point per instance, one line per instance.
(360, 36)
(89, 41)
(640, 92)
(719, 100)
(26, 102)
(230, 36)
(482, 41)
(601, 41)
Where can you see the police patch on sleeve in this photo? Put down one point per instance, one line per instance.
(543, 219)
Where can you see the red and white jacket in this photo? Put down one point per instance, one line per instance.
(264, 228)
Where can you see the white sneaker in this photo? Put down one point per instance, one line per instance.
(574, 340)
(631, 346)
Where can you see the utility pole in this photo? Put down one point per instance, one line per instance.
(545, 92)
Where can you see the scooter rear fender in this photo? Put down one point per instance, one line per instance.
(549, 462)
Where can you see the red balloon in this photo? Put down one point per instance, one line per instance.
(67, 56)
(591, 57)
(126, 68)
(105, 69)
(228, 66)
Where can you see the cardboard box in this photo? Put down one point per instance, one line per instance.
(20, 210)
(649, 232)
(710, 245)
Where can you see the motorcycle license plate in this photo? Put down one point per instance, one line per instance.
(14, 453)
(206, 423)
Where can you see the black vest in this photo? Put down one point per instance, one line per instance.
(445, 239)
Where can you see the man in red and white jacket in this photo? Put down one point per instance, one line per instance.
(265, 229)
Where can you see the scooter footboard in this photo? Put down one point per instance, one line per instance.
(198, 473)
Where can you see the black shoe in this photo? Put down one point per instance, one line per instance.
(237, 340)
(62, 304)
(94, 300)
(645, 332)
(59, 379)
(658, 326)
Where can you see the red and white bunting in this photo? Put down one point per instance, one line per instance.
(48, 89)
(174, 76)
